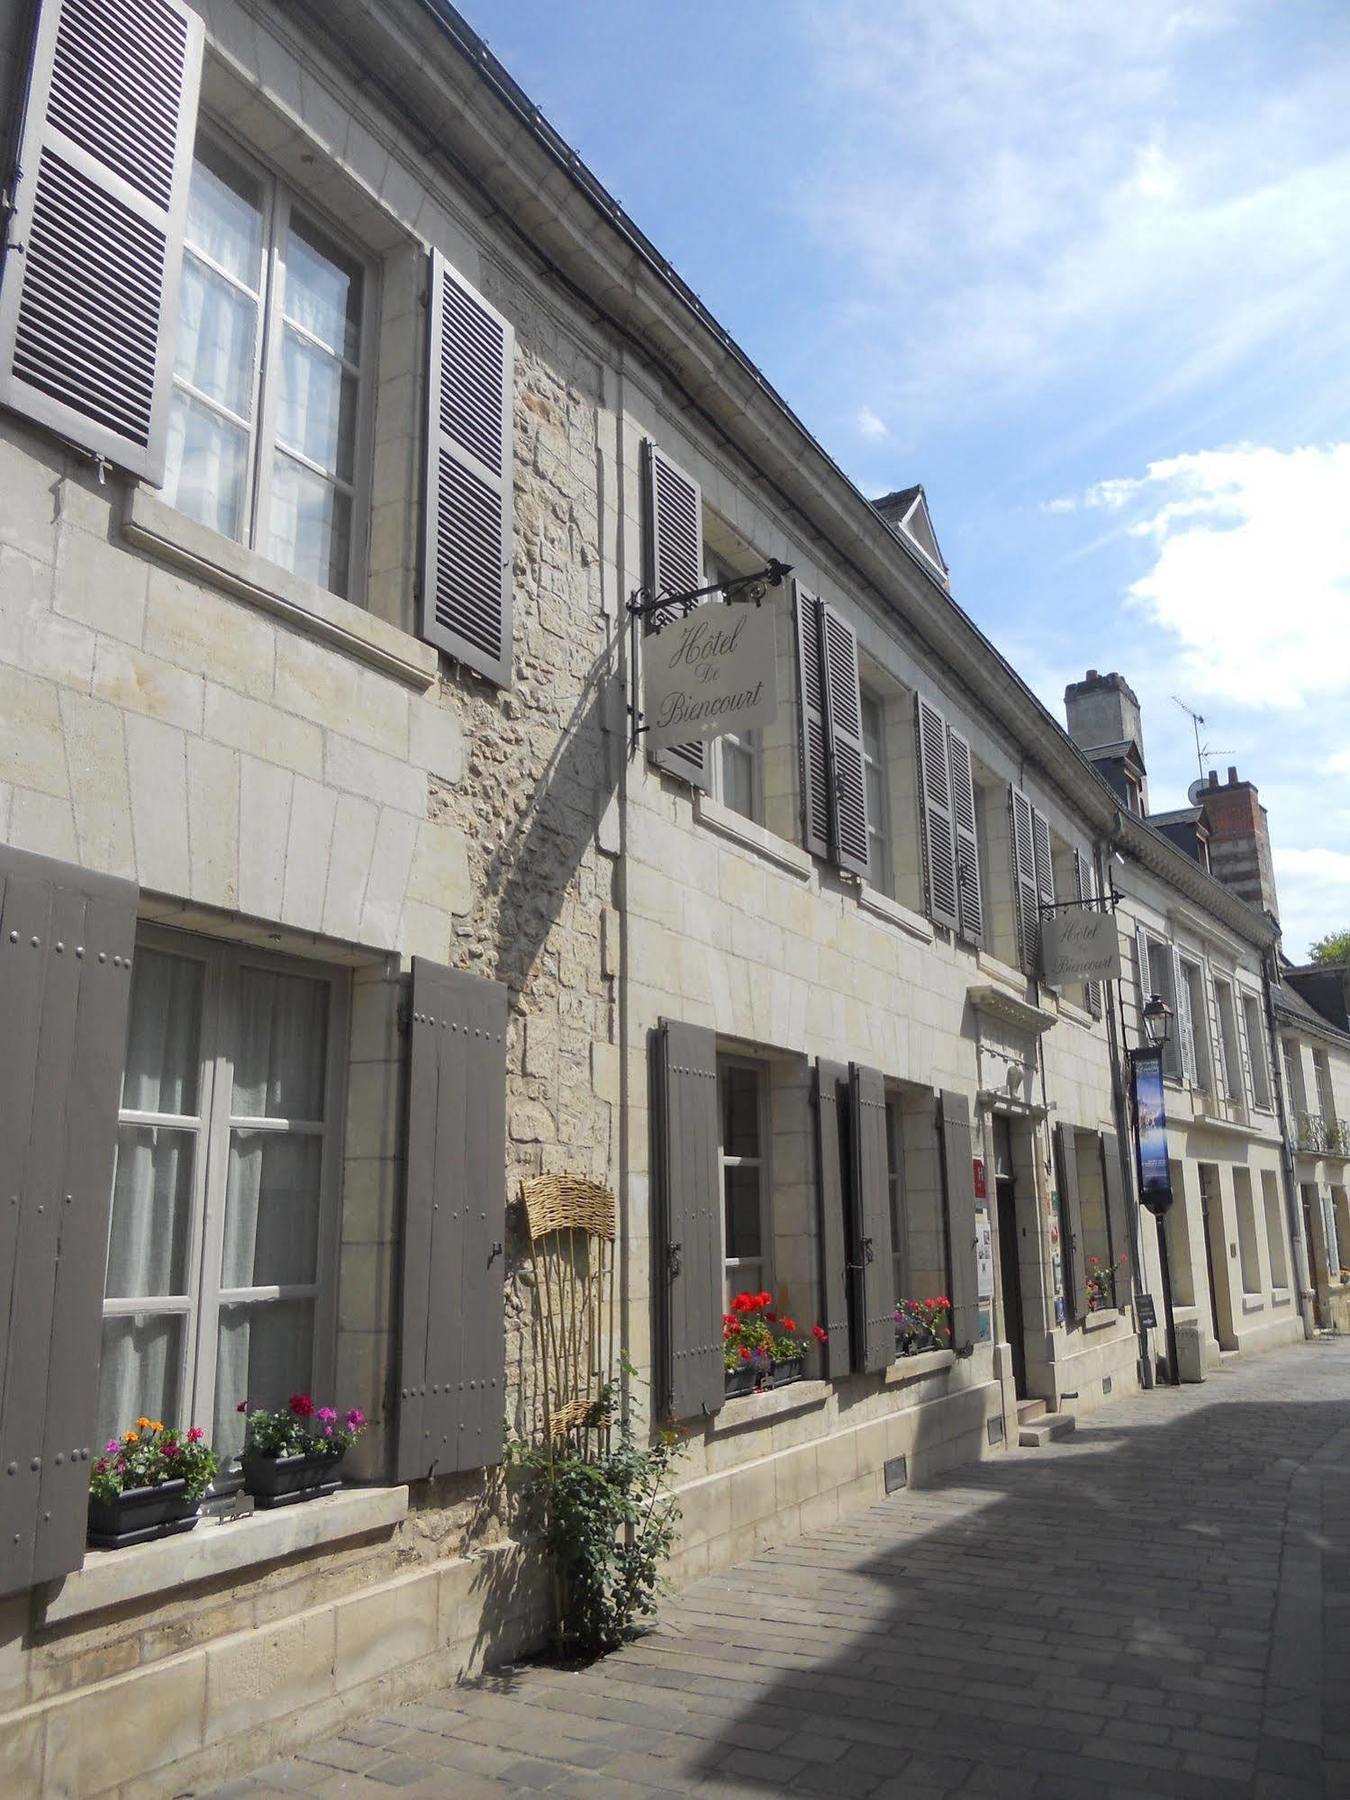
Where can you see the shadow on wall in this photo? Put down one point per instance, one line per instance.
(1096, 1618)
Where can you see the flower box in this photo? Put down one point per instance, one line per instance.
(787, 1369)
(742, 1380)
(139, 1515)
(286, 1480)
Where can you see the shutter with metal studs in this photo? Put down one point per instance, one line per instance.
(1117, 1217)
(673, 546)
(833, 1184)
(89, 302)
(969, 898)
(1024, 877)
(452, 1345)
(468, 530)
(812, 740)
(871, 1250)
(688, 1211)
(66, 940)
(939, 837)
(1071, 1213)
(958, 1180)
(843, 719)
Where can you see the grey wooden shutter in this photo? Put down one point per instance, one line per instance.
(468, 507)
(66, 940)
(674, 565)
(1117, 1216)
(452, 1330)
(873, 1326)
(1024, 878)
(1219, 1057)
(843, 719)
(689, 1220)
(1045, 868)
(90, 300)
(832, 1184)
(1086, 876)
(1244, 1048)
(958, 1180)
(1071, 1213)
(939, 835)
(813, 737)
(969, 895)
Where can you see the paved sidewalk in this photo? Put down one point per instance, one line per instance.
(1159, 1606)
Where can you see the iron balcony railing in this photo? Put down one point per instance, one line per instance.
(1322, 1135)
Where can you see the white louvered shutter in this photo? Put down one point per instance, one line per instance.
(843, 719)
(466, 564)
(1087, 890)
(90, 295)
(1144, 976)
(1244, 1048)
(674, 565)
(939, 835)
(969, 894)
(1220, 1077)
(812, 737)
(1185, 1032)
(1024, 876)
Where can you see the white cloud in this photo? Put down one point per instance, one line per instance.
(1250, 567)
(1314, 896)
(870, 426)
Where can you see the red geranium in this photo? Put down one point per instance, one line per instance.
(301, 1405)
(819, 1333)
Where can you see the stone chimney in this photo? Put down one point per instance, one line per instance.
(1239, 847)
(1102, 715)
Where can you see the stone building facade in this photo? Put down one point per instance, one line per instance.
(320, 697)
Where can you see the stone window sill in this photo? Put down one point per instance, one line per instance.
(1098, 1321)
(1280, 1296)
(751, 1409)
(767, 844)
(1076, 1015)
(872, 900)
(910, 1368)
(1001, 971)
(114, 1577)
(155, 527)
(1253, 1303)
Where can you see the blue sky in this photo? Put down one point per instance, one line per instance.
(1083, 270)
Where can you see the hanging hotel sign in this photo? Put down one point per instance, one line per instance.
(1150, 1128)
(1079, 944)
(711, 672)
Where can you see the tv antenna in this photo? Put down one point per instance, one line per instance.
(1203, 752)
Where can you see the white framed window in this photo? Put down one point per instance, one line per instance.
(1256, 1050)
(880, 859)
(222, 1247)
(1275, 1238)
(738, 768)
(746, 1235)
(1202, 1060)
(1228, 1039)
(1160, 981)
(1326, 1103)
(1293, 1074)
(269, 439)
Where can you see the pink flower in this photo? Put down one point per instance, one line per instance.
(327, 1414)
(355, 1419)
(328, 1431)
(242, 1406)
(170, 1447)
(195, 1434)
(111, 1447)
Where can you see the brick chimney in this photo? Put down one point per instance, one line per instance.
(1239, 847)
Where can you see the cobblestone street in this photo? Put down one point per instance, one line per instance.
(1159, 1605)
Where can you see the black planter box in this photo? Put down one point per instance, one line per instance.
(285, 1480)
(742, 1380)
(787, 1370)
(141, 1514)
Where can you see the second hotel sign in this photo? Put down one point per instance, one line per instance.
(712, 672)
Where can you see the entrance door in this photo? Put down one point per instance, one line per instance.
(1311, 1242)
(1220, 1298)
(1010, 1276)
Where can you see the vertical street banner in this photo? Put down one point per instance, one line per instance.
(1150, 1130)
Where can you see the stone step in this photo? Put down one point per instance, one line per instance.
(1044, 1431)
(1027, 1410)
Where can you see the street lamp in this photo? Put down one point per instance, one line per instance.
(1157, 1198)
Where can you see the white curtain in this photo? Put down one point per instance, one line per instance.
(282, 1043)
(271, 1210)
(164, 1035)
(141, 1372)
(151, 1212)
(264, 1355)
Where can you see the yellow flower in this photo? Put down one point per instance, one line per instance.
(143, 1423)
(129, 1437)
(156, 1424)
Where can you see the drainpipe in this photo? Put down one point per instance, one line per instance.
(1292, 1204)
(1114, 1012)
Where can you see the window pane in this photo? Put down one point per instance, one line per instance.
(323, 290)
(265, 1354)
(216, 325)
(738, 778)
(271, 1210)
(151, 1212)
(140, 1372)
(316, 408)
(283, 1039)
(163, 1035)
(206, 466)
(871, 725)
(225, 214)
(742, 1203)
(740, 1112)
(311, 525)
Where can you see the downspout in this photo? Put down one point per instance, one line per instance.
(1114, 1011)
(1293, 1207)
